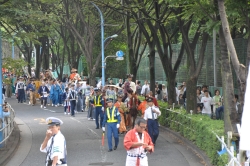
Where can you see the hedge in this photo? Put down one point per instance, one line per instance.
(197, 128)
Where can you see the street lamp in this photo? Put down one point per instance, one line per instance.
(102, 42)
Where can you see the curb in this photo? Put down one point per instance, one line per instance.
(201, 154)
(11, 146)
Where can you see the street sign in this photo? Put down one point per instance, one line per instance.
(119, 53)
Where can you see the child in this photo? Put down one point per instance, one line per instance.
(66, 102)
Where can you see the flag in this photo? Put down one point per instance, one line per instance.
(245, 122)
(103, 138)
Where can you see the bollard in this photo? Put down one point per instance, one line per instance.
(173, 105)
(232, 150)
(222, 146)
(191, 111)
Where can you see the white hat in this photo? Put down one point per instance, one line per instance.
(51, 121)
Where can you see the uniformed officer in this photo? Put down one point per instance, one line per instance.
(20, 90)
(151, 114)
(112, 119)
(72, 97)
(98, 105)
(54, 144)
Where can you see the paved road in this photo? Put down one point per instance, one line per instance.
(84, 141)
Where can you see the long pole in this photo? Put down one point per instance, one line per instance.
(13, 49)
(1, 93)
(214, 56)
(102, 43)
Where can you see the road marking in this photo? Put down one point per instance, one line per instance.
(51, 111)
(102, 149)
(41, 120)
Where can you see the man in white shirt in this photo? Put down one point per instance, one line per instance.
(151, 114)
(145, 88)
(207, 102)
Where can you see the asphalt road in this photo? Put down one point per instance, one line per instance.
(84, 141)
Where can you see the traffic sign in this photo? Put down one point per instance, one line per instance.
(119, 53)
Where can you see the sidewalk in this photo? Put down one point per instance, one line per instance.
(10, 147)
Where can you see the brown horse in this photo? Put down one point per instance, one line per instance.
(133, 104)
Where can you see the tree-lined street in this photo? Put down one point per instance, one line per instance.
(84, 141)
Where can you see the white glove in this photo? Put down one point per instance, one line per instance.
(102, 108)
(103, 128)
(118, 125)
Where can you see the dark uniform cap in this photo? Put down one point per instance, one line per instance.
(149, 99)
(120, 94)
(109, 100)
(52, 121)
(97, 90)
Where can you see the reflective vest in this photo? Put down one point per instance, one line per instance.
(112, 119)
(98, 101)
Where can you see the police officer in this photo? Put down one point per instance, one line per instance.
(151, 114)
(112, 119)
(20, 90)
(54, 144)
(72, 97)
(99, 109)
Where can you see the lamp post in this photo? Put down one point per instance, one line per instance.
(103, 42)
(1, 93)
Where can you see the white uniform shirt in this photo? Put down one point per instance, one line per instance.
(145, 88)
(58, 148)
(148, 113)
(207, 102)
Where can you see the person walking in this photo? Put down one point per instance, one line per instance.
(72, 97)
(66, 102)
(137, 143)
(98, 105)
(43, 91)
(54, 144)
(112, 119)
(20, 90)
(54, 93)
(31, 90)
(151, 114)
(122, 109)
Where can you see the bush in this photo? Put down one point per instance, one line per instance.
(197, 128)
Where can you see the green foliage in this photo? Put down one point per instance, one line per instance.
(14, 65)
(197, 128)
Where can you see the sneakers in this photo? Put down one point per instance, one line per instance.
(44, 107)
(93, 119)
(88, 118)
(68, 113)
(29, 102)
(52, 105)
(41, 106)
(65, 113)
(76, 112)
(48, 104)
(55, 105)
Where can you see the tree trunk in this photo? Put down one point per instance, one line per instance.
(191, 94)
(171, 88)
(152, 68)
(38, 60)
(227, 83)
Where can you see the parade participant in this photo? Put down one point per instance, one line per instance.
(111, 93)
(48, 84)
(72, 97)
(74, 75)
(89, 106)
(122, 109)
(79, 106)
(112, 119)
(20, 90)
(8, 84)
(143, 106)
(151, 114)
(128, 85)
(31, 90)
(54, 93)
(43, 91)
(98, 105)
(54, 144)
(137, 142)
(66, 102)
(61, 90)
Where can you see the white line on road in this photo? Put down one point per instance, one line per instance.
(102, 149)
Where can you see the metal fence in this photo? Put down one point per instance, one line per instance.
(8, 124)
(207, 72)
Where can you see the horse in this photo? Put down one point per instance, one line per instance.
(133, 104)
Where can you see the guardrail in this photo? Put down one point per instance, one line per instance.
(8, 124)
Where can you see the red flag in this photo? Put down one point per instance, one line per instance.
(103, 138)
